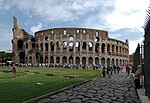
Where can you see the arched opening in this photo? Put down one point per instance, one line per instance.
(116, 49)
(108, 48)
(103, 48)
(84, 60)
(97, 36)
(84, 46)
(113, 62)
(33, 42)
(20, 44)
(37, 46)
(30, 60)
(90, 44)
(41, 59)
(71, 46)
(58, 44)
(70, 60)
(71, 39)
(103, 61)
(64, 45)
(26, 61)
(22, 57)
(58, 60)
(97, 61)
(97, 47)
(38, 57)
(46, 46)
(108, 61)
(120, 49)
(120, 62)
(90, 60)
(117, 62)
(65, 32)
(41, 46)
(64, 60)
(46, 38)
(123, 63)
(46, 59)
(97, 39)
(78, 46)
(52, 46)
(77, 60)
(26, 45)
(51, 59)
(113, 48)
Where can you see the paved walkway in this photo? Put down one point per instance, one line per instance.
(119, 88)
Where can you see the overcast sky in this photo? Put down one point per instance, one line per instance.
(123, 19)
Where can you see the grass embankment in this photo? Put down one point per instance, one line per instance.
(28, 83)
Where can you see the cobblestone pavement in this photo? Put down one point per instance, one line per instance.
(119, 88)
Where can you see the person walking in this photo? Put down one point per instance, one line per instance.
(137, 76)
(103, 71)
(108, 71)
(128, 69)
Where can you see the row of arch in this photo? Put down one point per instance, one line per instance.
(85, 46)
(77, 60)
(72, 45)
(105, 48)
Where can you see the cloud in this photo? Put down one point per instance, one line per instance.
(128, 14)
(51, 10)
(36, 28)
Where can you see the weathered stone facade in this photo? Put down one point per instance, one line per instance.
(77, 46)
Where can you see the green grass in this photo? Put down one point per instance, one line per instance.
(15, 88)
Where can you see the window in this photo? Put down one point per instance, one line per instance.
(26, 45)
(96, 34)
(46, 38)
(83, 31)
(65, 32)
(78, 31)
(90, 46)
(71, 38)
(64, 45)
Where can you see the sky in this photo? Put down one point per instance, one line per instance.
(123, 19)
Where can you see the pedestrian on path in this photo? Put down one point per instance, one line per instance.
(104, 74)
(137, 76)
(108, 71)
(128, 69)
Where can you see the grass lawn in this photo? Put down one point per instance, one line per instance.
(28, 83)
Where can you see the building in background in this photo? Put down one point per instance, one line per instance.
(68, 46)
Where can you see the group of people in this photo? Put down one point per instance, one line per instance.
(137, 75)
(109, 70)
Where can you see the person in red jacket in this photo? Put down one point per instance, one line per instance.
(14, 68)
(128, 69)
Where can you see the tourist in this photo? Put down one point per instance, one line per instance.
(108, 70)
(103, 71)
(128, 69)
(137, 76)
(14, 68)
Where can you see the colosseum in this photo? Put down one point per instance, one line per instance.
(68, 46)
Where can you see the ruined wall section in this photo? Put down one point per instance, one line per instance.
(58, 41)
(75, 46)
